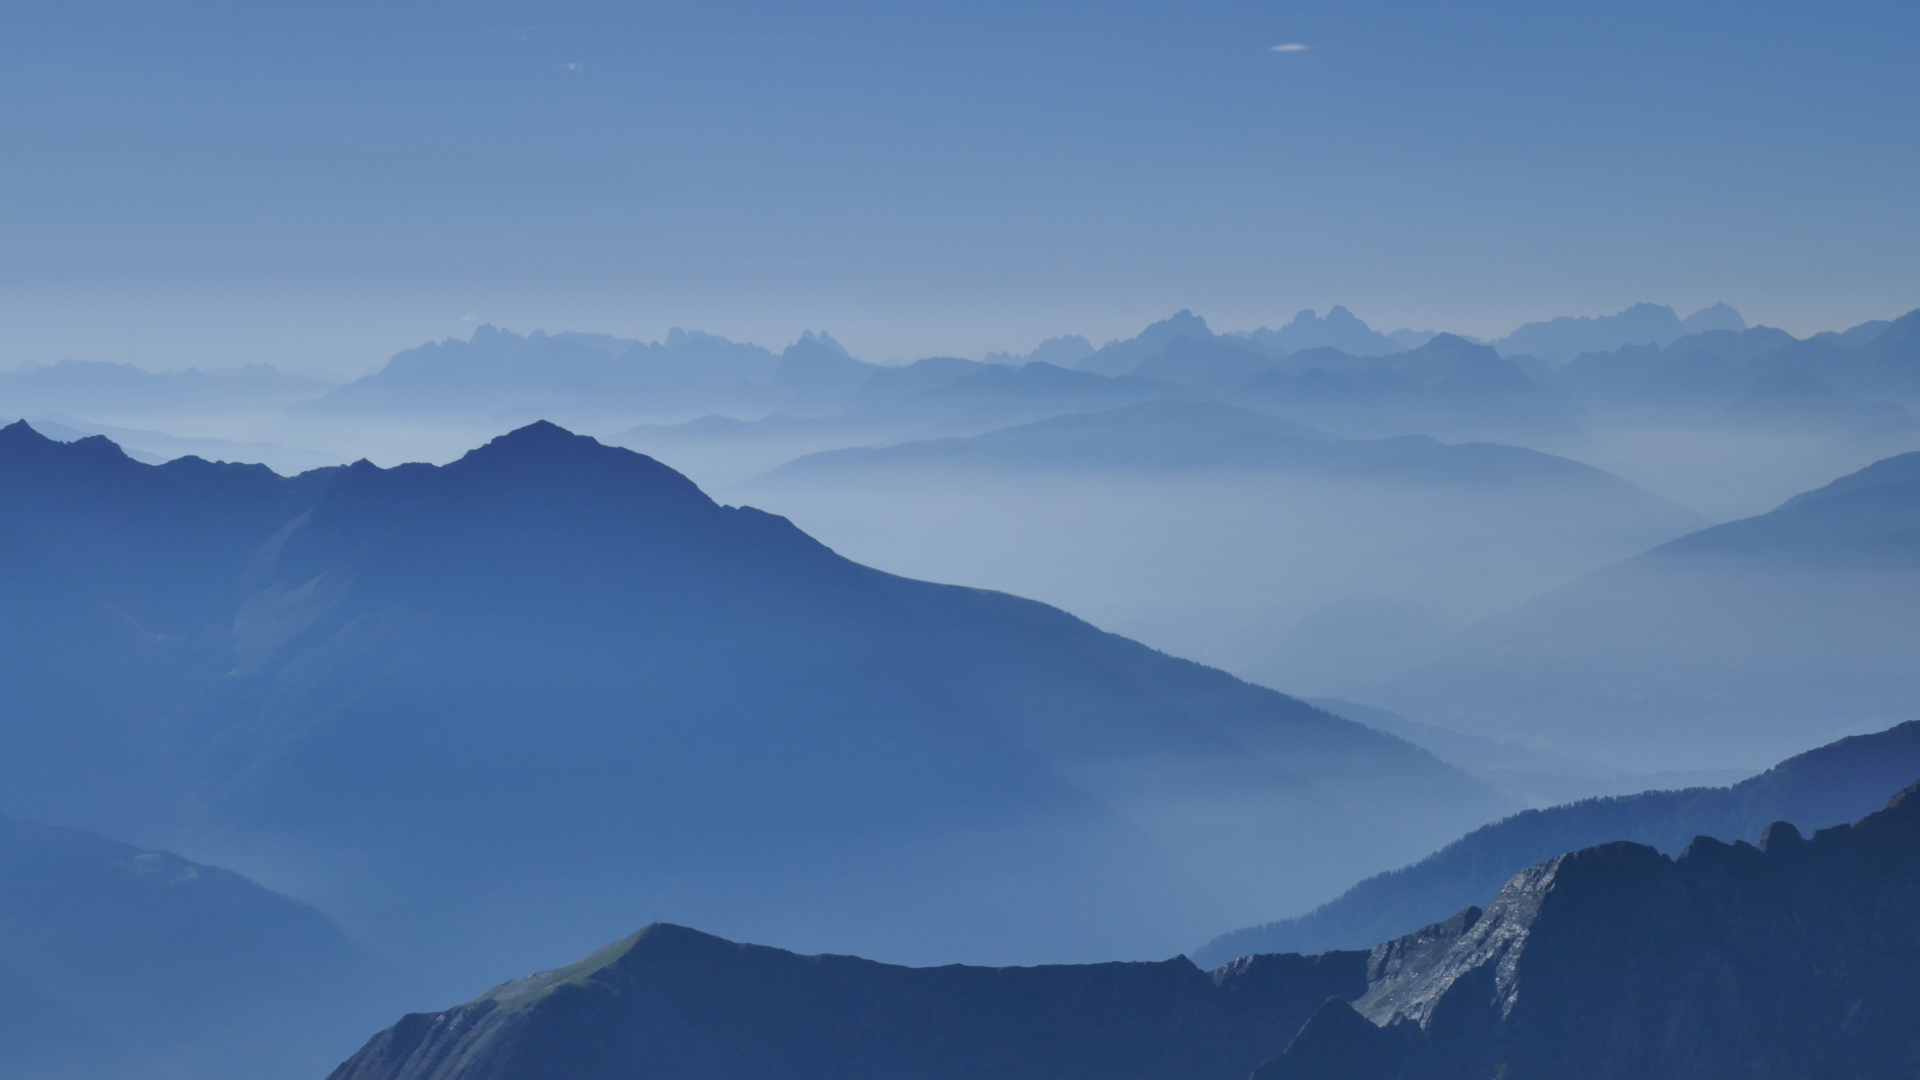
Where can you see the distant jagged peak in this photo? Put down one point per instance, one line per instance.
(1063, 351)
(1567, 336)
(1182, 323)
(821, 340)
(1716, 316)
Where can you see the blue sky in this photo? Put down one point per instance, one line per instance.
(325, 184)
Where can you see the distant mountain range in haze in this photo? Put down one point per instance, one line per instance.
(1228, 534)
(1786, 959)
(484, 711)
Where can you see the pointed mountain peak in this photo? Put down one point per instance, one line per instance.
(1719, 316)
(21, 433)
(551, 456)
(1182, 323)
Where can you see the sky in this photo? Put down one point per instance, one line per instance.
(321, 185)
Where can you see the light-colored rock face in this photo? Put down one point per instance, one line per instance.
(1409, 976)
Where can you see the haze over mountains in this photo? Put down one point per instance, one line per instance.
(1229, 535)
(500, 710)
(1320, 580)
(483, 711)
(1731, 644)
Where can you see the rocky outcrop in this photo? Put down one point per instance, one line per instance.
(1790, 959)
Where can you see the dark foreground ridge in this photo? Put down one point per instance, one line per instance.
(1790, 959)
(1793, 958)
(673, 1002)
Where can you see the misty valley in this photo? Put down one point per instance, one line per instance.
(1289, 704)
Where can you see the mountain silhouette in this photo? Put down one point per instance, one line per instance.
(1216, 532)
(485, 710)
(1788, 959)
(1565, 337)
(1829, 786)
(1338, 329)
(674, 1002)
(1449, 387)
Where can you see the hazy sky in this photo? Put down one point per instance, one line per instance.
(323, 184)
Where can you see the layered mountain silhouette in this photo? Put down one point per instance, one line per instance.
(1829, 786)
(1791, 627)
(932, 398)
(1229, 534)
(1449, 388)
(1785, 959)
(488, 710)
(1792, 958)
(121, 962)
(1564, 338)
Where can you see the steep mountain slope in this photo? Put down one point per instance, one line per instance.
(673, 1002)
(1789, 959)
(1793, 627)
(1226, 534)
(115, 961)
(488, 710)
(1828, 786)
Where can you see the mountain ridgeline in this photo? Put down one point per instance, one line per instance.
(1789, 959)
(491, 710)
(1821, 788)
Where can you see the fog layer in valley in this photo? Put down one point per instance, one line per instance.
(970, 660)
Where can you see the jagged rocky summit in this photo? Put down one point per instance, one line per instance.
(1790, 959)
(1793, 958)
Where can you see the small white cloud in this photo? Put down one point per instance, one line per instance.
(1291, 46)
(582, 67)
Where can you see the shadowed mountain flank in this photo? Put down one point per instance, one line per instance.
(121, 962)
(486, 711)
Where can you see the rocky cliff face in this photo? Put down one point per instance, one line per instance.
(1790, 959)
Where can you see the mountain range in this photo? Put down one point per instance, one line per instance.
(1828, 786)
(485, 711)
(1787, 959)
(1228, 534)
